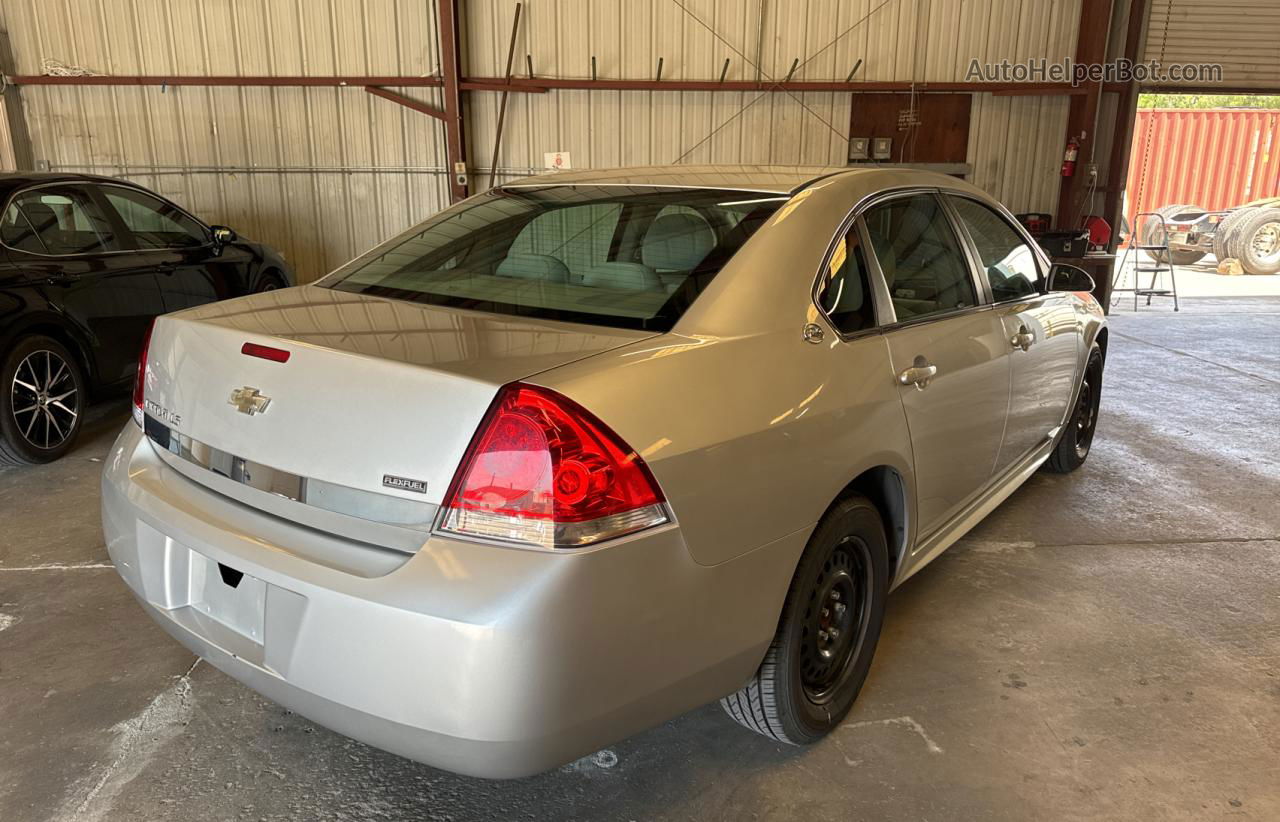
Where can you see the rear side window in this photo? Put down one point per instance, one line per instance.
(920, 256)
(54, 221)
(153, 222)
(1008, 262)
(845, 295)
(623, 256)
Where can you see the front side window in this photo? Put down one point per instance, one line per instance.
(54, 221)
(1008, 262)
(604, 255)
(845, 295)
(153, 222)
(920, 256)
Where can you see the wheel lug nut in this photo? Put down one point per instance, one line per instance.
(834, 633)
(839, 607)
(826, 612)
(835, 595)
(823, 635)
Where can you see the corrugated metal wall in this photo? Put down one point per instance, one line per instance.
(1243, 36)
(1215, 159)
(324, 173)
(252, 158)
(1015, 143)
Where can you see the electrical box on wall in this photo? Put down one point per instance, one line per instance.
(859, 148)
(882, 148)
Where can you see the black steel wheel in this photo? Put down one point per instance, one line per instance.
(835, 619)
(826, 638)
(43, 401)
(1077, 437)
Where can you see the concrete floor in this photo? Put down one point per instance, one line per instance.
(1104, 646)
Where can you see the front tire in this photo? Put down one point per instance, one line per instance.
(1077, 438)
(830, 624)
(42, 400)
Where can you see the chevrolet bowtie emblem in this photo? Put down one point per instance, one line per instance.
(248, 401)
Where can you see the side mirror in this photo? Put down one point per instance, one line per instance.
(1063, 277)
(222, 235)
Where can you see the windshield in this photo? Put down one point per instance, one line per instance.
(624, 256)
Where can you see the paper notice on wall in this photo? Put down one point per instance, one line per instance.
(557, 160)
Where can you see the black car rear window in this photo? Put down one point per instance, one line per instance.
(623, 256)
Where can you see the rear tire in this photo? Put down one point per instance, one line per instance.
(42, 401)
(1152, 235)
(1222, 237)
(1077, 438)
(827, 635)
(1258, 242)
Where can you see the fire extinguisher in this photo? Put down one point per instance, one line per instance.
(1069, 158)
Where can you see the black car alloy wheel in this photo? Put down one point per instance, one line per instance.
(44, 399)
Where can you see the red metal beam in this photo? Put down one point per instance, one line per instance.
(216, 80)
(407, 102)
(451, 69)
(540, 85)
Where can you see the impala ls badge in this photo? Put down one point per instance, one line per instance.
(248, 401)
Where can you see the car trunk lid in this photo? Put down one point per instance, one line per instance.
(376, 402)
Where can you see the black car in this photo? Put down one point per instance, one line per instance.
(85, 264)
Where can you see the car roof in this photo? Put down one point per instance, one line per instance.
(773, 179)
(18, 179)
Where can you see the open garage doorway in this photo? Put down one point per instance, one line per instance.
(1202, 197)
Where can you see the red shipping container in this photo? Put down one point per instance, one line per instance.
(1212, 158)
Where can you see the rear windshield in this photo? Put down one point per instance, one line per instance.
(624, 256)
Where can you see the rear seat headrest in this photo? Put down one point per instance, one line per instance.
(622, 277)
(534, 267)
(677, 242)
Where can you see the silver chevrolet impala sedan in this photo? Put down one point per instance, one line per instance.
(589, 450)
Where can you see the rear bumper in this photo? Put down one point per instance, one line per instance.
(478, 659)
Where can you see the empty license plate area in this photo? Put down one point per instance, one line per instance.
(228, 596)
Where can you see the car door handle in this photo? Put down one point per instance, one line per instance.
(918, 374)
(1023, 339)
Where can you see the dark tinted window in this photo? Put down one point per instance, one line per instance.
(920, 256)
(1009, 262)
(608, 255)
(55, 221)
(153, 222)
(845, 294)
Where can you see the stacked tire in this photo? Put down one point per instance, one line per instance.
(1252, 236)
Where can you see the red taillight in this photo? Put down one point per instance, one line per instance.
(543, 470)
(140, 381)
(265, 352)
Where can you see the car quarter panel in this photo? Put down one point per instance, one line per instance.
(751, 438)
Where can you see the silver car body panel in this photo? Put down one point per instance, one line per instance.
(502, 661)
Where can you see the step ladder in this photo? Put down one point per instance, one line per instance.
(1163, 264)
